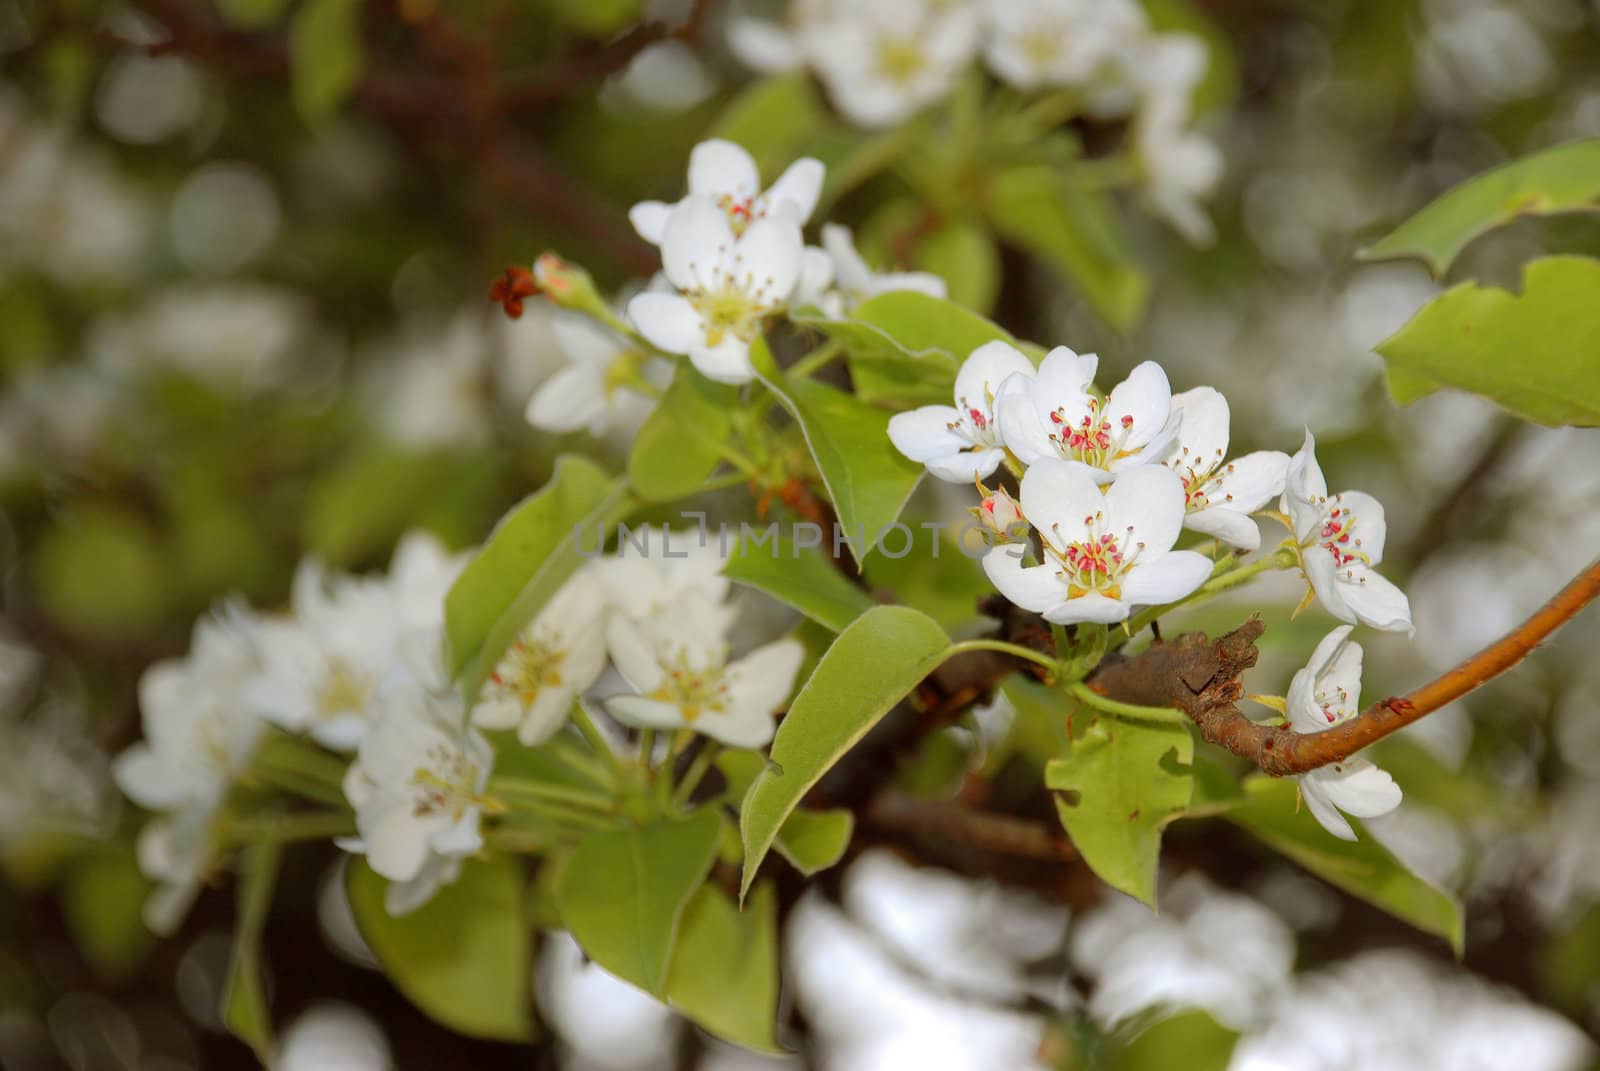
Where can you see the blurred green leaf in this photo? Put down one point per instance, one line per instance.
(102, 903)
(868, 480)
(1191, 1040)
(682, 440)
(623, 892)
(325, 56)
(364, 503)
(1120, 784)
(813, 841)
(465, 957)
(101, 572)
(1563, 178)
(962, 252)
(252, 14)
(1364, 869)
(934, 576)
(873, 664)
(1075, 231)
(724, 972)
(532, 551)
(774, 119)
(244, 1002)
(598, 18)
(1532, 353)
(803, 578)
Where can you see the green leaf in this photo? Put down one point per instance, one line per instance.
(244, 1004)
(325, 56)
(101, 904)
(868, 480)
(681, 442)
(252, 14)
(101, 572)
(1364, 869)
(1219, 87)
(1075, 232)
(934, 576)
(464, 957)
(622, 892)
(1191, 1040)
(598, 18)
(1122, 782)
(871, 666)
(532, 551)
(1532, 353)
(813, 841)
(1563, 178)
(774, 120)
(724, 972)
(801, 577)
(962, 252)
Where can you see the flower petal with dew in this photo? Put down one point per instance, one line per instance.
(554, 659)
(1219, 494)
(1104, 552)
(725, 174)
(678, 662)
(1341, 538)
(961, 443)
(1327, 692)
(1056, 416)
(417, 787)
(727, 286)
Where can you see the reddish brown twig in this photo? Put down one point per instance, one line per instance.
(988, 831)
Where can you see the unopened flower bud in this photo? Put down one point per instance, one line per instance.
(999, 513)
(569, 286)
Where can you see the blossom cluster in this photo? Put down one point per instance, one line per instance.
(357, 666)
(883, 62)
(1108, 480)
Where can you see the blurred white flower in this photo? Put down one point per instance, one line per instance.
(728, 284)
(1039, 43)
(1220, 495)
(853, 280)
(725, 174)
(1341, 539)
(609, 1024)
(54, 779)
(961, 443)
(429, 392)
(1327, 692)
(595, 390)
(334, 1037)
(1181, 168)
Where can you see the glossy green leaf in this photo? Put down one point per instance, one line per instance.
(1075, 232)
(464, 957)
(681, 442)
(813, 841)
(1190, 1040)
(1532, 353)
(244, 1002)
(962, 252)
(1364, 869)
(801, 577)
(868, 480)
(1121, 783)
(724, 972)
(1563, 178)
(622, 892)
(325, 56)
(532, 551)
(871, 666)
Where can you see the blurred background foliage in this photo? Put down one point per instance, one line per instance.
(244, 248)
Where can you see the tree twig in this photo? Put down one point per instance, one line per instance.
(950, 820)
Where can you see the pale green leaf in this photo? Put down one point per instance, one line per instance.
(1364, 869)
(801, 577)
(244, 1002)
(464, 957)
(813, 841)
(868, 480)
(871, 666)
(1563, 178)
(102, 905)
(724, 971)
(1074, 231)
(622, 892)
(1121, 783)
(682, 440)
(962, 252)
(934, 575)
(325, 56)
(532, 551)
(1533, 353)
(775, 119)
(1190, 1040)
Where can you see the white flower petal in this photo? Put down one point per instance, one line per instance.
(643, 713)
(397, 845)
(1032, 587)
(1374, 600)
(545, 715)
(1370, 527)
(771, 252)
(1093, 608)
(984, 370)
(761, 681)
(1323, 575)
(1204, 433)
(797, 189)
(924, 433)
(966, 466)
(649, 219)
(1322, 810)
(1235, 529)
(718, 167)
(1059, 498)
(1142, 404)
(1149, 500)
(694, 242)
(1247, 483)
(1357, 787)
(568, 400)
(667, 321)
(1166, 578)
(764, 45)
(633, 653)
(727, 362)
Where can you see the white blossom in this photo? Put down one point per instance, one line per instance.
(726, 174)
(417, 786)
(1180, 167)
(1220, 495)
(429, 390)
(594, 391)
(554, 659)
(1054, 415)
(679, 664)
(1105, 552)
(1326, 693)
(728, 284)
(961, 443)
(852, 280)
(883, 61)
(1341, 538)
(1037, 43)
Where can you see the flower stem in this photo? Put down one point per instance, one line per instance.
(698, 767)
(598, 740)
(293, 826)
(521, 791)
(1090, 697)
(1227, 574)
(816, 359)
(1015, 650)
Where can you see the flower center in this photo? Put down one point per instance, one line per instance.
(742, 211)
(694, 690)
(900, 60)
(1335, 704)
(1095, 564)
(1337, 535)
(529, 667)
(343, 690)
(447, 782)
(973, 423)
(1041, 45)
(731, 304)
(1201, 478)
(1092, 440)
